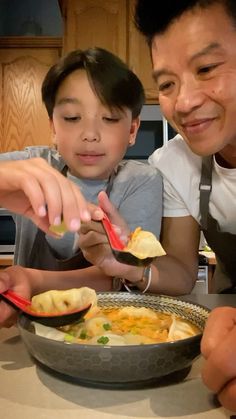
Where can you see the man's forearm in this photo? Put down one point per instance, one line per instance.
(169, 276)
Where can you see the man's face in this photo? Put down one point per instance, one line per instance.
(194, 63)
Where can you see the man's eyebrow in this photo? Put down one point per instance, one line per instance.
(162, 72)
(208, 49)
(65, 100)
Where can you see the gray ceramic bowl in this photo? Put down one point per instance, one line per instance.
(116, 366)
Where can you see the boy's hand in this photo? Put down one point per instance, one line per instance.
(34, 189)
(14, 278)
(94, 243)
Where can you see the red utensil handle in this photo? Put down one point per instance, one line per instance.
(15, 298)
(115, 241)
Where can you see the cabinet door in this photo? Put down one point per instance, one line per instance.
(139, 58)
(23, 118)
(101, 23)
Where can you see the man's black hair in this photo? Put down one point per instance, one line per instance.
(151, 19)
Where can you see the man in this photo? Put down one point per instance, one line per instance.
(194, 64)
(193, 50)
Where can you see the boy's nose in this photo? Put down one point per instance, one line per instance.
(90, 133)
(90, 138)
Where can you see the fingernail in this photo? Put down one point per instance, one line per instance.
(124, 239)
(98, 214)
(75, 224)
(57, 221)
(86, 215)
(42, 211)
(116, 228)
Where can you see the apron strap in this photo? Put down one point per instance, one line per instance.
(205, 189)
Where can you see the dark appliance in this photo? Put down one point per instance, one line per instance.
(153, 133)
(7, 232)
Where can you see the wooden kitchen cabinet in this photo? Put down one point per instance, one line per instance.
(108, 24)
(23, 65)
(89, 23)
(139, 58)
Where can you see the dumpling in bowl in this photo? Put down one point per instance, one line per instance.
(144, 244)
(95, 326)
(58, 301)
(181, 329)
(137, 312)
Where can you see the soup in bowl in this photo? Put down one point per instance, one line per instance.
(110, 348)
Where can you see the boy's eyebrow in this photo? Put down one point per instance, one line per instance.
(65, 100)
(208, 49)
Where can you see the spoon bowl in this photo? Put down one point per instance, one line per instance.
(48, 319)
(117, 247)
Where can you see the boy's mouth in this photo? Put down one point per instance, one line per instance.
(90, 158)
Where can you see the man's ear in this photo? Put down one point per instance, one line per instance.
(135, 124)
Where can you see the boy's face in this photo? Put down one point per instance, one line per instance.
(194, 64)
(91, 138)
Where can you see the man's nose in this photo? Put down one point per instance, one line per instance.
(190, 96)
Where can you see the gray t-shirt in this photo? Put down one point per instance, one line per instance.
(136, 193)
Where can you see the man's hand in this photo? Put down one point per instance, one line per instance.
(218, 347)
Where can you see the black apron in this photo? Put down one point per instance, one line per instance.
(222, 243)
(44, 257)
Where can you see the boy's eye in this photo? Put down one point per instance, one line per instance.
(111, 119)
(71, 118)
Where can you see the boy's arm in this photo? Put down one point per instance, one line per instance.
(173, 274)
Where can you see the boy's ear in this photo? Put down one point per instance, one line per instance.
(54, 141)
(133, 130)
(52, 126)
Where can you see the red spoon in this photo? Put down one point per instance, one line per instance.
(117, 247)
(48, 319)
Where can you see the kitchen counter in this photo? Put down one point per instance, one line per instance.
(6, 260)
(27, 391)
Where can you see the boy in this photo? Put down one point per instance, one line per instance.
(93, 102)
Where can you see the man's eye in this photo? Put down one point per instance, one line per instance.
(165, 86)
(207, 69)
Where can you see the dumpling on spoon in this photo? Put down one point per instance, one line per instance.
(144, 244)
(59, 301)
